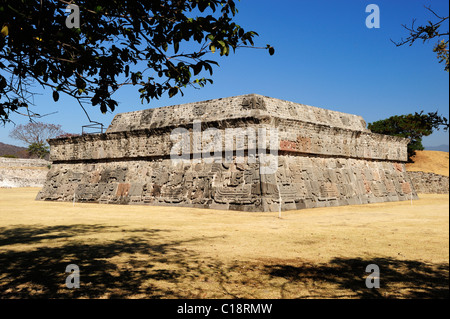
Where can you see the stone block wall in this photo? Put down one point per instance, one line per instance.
(236, 107)
(18, 172)
(429, 183)
(300, 182)
(293, 136)
(325, 158)
(23, 162)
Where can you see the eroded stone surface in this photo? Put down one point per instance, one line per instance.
(18, 172)
(429, 183)
(325, 158)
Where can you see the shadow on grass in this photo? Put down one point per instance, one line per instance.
(398, 278)
(144, 263)
(108, 268)
(33, 235)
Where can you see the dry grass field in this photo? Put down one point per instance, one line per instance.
(169, 252)
(430, 161)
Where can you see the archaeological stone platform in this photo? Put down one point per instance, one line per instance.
(324, 158)
(20, 172)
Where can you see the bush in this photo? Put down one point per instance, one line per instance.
(38, 149)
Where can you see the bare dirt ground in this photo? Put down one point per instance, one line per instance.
(171, 252)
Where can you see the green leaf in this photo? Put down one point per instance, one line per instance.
(225, 51)
(55, 96)
(173, 91)
(92, 61)
(197, 68)
(4, 31)
(3, 82)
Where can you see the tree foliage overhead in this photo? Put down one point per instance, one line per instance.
(432, 30)
(159, 46)
(412, 126)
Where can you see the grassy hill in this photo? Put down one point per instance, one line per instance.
(430, 161)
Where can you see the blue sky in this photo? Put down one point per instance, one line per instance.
(325, 57)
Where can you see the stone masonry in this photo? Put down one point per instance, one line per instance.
(18, 172)
(324, 158)
(429, 183)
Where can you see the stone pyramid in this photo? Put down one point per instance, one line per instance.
(247, 153)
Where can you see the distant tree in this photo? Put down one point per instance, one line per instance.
(412, 126)
(433, 30)
(38, 150)
(159, 46)
(36, 134)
